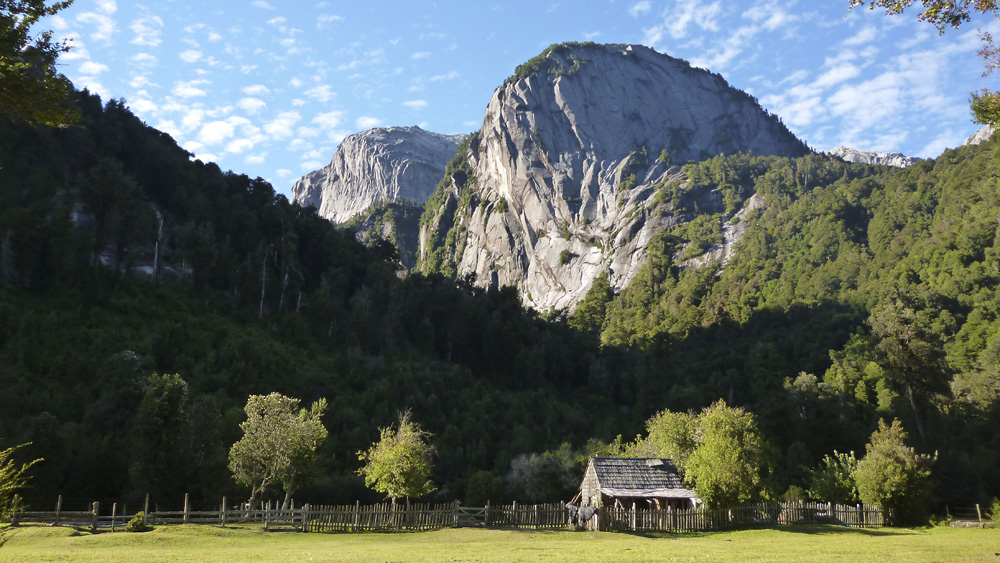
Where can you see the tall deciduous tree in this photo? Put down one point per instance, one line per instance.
(727, 464)
(278, 445)
(400, 463)
(912, 353)
(892, 475)
(30, 88)
(833, 480)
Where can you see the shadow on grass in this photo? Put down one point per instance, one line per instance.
(806, 529)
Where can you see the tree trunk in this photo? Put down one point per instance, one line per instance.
(916, 412)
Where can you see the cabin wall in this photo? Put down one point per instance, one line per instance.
(590, 488)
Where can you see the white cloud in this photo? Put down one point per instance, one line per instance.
(190, 56)
(192, 119)
(321, 93)
(143, 106)
(837, 74)
(366, 122)
(277, 21)
(251, 105)
(326, 19)
(281, 127)
(685, 13)
(329, 120)
(147, 29)
(311, 165)
(107, 6)
(420, 55)
(214, 36)
(104, 26)
(255, 158)
(450, 76)
(144, 60)
(256, 90)
(189, 89)
(262, 5)
(215, 132)
(92, 68)
(866, 35)
(283, 172)
(415, 104)
(639, 8)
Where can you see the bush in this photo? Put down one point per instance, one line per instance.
(565, 256)
(993, 512)
(137, 523)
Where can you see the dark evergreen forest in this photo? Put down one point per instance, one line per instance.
(857, 293)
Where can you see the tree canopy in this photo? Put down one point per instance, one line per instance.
(400, 463)
(892, 475)
(30, 88)
(278, 445)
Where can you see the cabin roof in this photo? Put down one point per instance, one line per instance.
(639, 477)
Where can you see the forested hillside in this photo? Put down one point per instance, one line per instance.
(857, 292)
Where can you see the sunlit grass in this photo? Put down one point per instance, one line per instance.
(210, 543)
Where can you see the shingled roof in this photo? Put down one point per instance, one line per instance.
(639, 477)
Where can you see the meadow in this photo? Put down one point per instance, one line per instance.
(211, 543)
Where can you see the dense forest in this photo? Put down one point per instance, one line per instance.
(144, 296)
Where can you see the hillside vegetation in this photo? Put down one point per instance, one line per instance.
(121, 258)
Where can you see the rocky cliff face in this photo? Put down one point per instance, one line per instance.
(389, 163)
(980, 136)
(867, 157)
(557, 185)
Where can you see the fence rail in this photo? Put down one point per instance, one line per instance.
(746, 516)
(417, 517)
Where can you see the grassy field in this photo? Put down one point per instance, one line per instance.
(791, 543)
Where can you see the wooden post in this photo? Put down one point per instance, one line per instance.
(94, 509)
(267, 515)
(979, 512)
(187, 509)
(58, 508)
(222, 513)
(114, 512)
(305, 517)
(357, 515)
(145, 509)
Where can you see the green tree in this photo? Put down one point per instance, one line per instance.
(278, 445)
(30, 89)
(161, 437)
(672, 435)
(726, 465)
(892, 475)
(400, 463)
(833, 479)
(12, 478)
(912, 353)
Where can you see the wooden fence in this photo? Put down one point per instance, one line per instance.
(416, 517)
(746, 516)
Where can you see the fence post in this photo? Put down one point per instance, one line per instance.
(187, 509)
(267, 515)
(222, 513)
(357, 515)
(114, 512)
(94, 509)
(305, 517)
(980, 514)
(145, 509)
(58, 508)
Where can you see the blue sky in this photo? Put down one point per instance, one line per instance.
(269, 88)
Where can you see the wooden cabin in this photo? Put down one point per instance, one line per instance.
(627, 481)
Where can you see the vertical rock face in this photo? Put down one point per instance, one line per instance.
(979, 137)
(388, 163)
(566, 163)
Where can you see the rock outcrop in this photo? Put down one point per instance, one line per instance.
(387, 163)
(980, 136)
(867, 157)
(558, 184)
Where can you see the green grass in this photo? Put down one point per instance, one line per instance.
(209, 543)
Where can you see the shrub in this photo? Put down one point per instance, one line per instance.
(137, 523)
(565, 256)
